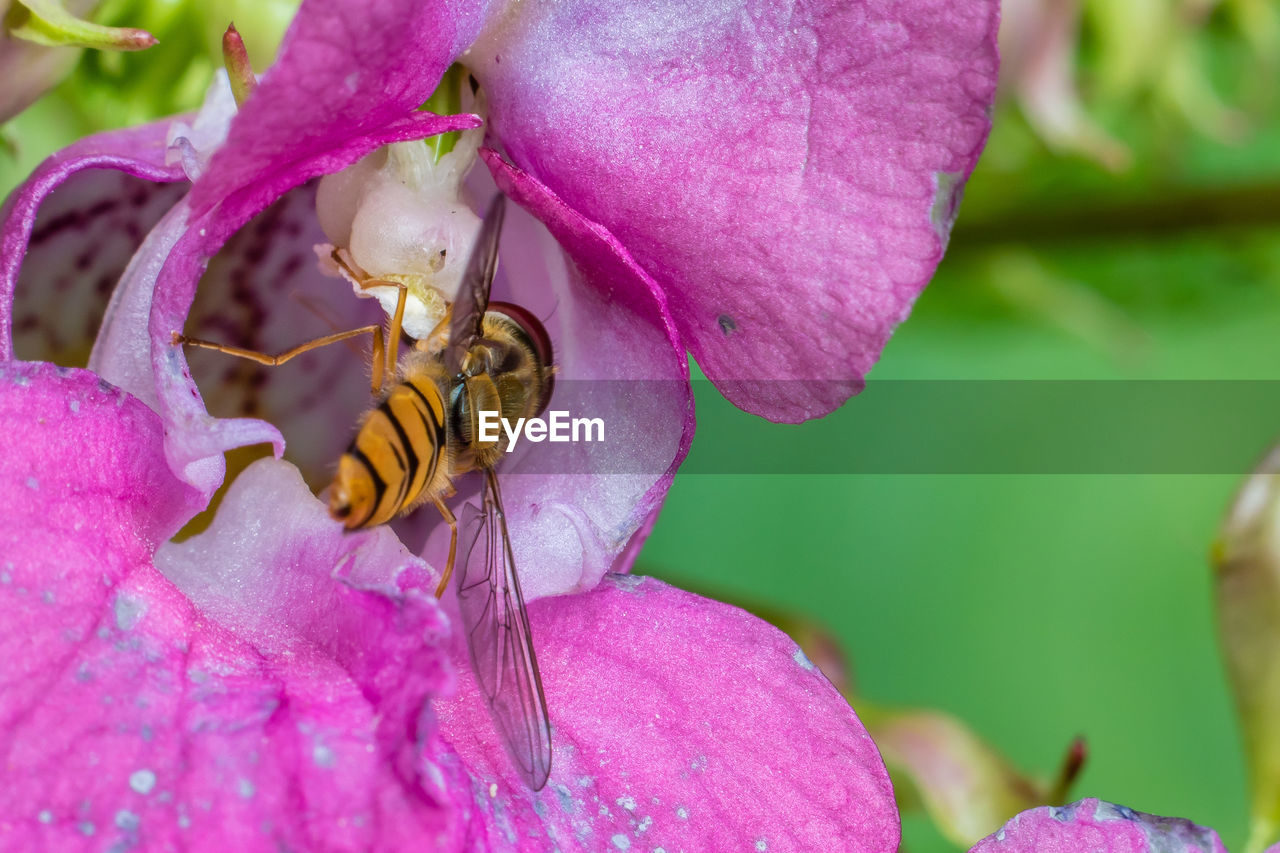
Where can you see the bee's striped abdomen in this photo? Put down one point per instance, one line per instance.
(395, 456)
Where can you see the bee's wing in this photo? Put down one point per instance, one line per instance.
(473, 293)
(498, 638)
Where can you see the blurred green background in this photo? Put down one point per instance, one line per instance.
(1123, 223)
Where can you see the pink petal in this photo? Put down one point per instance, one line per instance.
(137, 151)
(677, 723)
(79, 454)
(788, 175)
(1100, 827)
(344, 73)
(127, 716)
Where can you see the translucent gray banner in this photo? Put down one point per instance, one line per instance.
(934, 427)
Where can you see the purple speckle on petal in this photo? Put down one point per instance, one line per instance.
(627, 583)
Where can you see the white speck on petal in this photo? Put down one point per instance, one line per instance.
(46, 816)
(682, 813)
(493, 789)
(87, 827)
(627, 803)
(246, 788)
(142, 781)
(803, 660)
(946, 200)
(621, 842)
(128, 611)
(127, 820)
(761, 845)
(33, 483)
(322, 755)
(183, 821)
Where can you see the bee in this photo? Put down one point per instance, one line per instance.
(423, 435)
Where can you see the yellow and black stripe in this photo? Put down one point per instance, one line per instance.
(408, 425)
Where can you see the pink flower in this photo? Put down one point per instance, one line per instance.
(1099, 827)
(770, 192)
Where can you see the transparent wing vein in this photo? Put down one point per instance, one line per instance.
(498, 637)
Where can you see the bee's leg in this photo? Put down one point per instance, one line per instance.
(394, 326)
(397, 324)
(453, 546)
(435, 342)
(277, 360)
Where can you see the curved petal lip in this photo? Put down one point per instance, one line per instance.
(137, 151)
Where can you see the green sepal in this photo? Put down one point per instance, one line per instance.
(46, 22)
